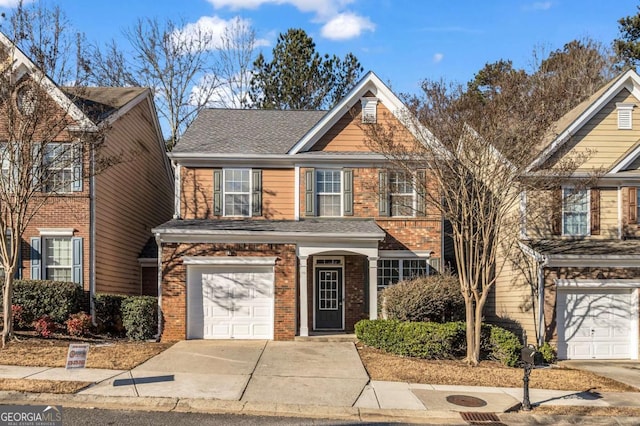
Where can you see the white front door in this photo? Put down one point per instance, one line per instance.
(230, 302)
(595, 324)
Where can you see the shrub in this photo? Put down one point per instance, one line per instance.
(55, 299)
(45, 326)
(548, 352)
(434, 298)
(108, 313)
(500, 345)
(140, 317)
(79, 324)
(426, 340)
(18, 317)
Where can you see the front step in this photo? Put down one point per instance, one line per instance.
(327, 337)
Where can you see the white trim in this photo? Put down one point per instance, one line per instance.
(596, 284)
(341, 302)
(626, 162)
(367, 102)
(625, 111)
(55, 232)
(177, 192)
(630, 77)
(230, 260)
(296, 193)
(620, 261)
(620, 225)
(405, 254)
(587, 213)
(317, 193)
(223, 192)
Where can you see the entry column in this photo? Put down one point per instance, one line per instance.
(373, 287)
(304, 310)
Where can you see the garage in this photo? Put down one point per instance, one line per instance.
(230, 299)
(597, 323)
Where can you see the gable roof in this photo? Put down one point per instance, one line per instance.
(246, 131)
(572, 121)
(99, 103)
(369, 83)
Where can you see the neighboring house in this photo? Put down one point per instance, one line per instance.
(581, 287)
(94, 228)
(286, 223)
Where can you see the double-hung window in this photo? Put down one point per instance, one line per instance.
(58, 162)
(58, 259)
(328, 190)
(575, 212)
(401, 193)
(56, 255)
(392, 271)
(237, 192)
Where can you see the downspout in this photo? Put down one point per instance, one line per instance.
(159, 261)
(542, 262)
(92, 236)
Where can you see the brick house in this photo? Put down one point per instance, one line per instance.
(93, 228)
(287, 223)
(580, 291)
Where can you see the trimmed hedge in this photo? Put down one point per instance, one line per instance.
(433, 298)
(429, 340)
(140, 317)
(108, 313)
(54, 299)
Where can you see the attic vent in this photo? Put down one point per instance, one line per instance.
(625, 117)
(369, 110)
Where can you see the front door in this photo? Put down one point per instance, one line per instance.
(329, 298)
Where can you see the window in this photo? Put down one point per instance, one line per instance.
(625, 116)
(58, 259)
(58, 166)
(575, 212)
(5, 163)
(237, 192)
(637, 205)
(369, 110)
(391, 271)
(26, 99)
(328, 185)
(402, 195)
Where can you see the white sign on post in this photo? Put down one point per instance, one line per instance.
(77, 355)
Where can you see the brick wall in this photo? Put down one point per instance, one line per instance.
(174, 281)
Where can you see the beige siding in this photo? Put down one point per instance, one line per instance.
(609, 222)
(132, 197)
(601, 139)
(196, 196)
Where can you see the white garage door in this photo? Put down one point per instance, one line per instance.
(230, 302)
(595, 324)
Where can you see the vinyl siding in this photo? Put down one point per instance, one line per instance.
(132, 197)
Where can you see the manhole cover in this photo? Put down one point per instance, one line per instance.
(466, 401)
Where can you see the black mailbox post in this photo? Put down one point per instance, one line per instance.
(530, 358)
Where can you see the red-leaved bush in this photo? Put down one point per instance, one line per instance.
(79, 324)
(44, 326)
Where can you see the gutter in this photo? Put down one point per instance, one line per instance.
(92, 237)
(542, 261)
(159, 263)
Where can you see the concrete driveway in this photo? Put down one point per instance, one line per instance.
(314, 373)
(623, 371)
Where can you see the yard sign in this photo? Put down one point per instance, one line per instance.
(77, 355)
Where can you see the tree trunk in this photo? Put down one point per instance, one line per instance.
(472, 357)
(7, 329)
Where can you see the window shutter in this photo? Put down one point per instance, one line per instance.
(348, 192)
(632, 204)
(18, 273)
(36, 263)
(256, 194)
(420, 193)
(556, 216)
(77, 168)
(76, 261)
(595, 211)
(310, 192)
(383, 185)
(217, 192)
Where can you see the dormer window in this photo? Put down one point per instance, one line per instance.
(369, 110)
(625, 116)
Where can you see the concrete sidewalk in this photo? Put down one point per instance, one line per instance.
(287, 378)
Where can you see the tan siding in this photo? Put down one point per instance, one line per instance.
(347, 135)
(602, 139)
(609, 223)
(196, 194)
(278, 193)
(132, 197)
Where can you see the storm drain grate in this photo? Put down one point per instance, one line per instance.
(466, 401)
(474, 418)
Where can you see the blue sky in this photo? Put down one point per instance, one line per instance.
(403, 41)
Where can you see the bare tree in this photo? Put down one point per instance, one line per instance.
(45, 145)
(476, 142)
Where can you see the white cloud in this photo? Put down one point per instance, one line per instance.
(345, 26)
(13, 3)
(437, 58)
(540, 5)
(213, 27)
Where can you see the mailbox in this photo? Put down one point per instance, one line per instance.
(530, 356)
